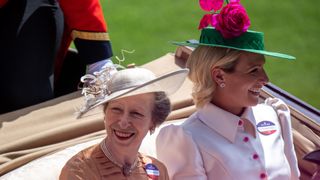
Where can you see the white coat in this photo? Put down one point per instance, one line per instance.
(215, 144)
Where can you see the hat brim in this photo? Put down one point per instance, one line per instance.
(168, 83)
(263, 52)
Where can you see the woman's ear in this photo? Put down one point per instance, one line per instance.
(152, 129)
(217, 75)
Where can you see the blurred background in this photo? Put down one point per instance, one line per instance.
(290, 26)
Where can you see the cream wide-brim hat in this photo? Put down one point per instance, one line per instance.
(134, 81)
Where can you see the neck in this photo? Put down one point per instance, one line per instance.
(227, 106)
(123, 156)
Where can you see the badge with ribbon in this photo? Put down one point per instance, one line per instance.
(152, 171)
(266, 127)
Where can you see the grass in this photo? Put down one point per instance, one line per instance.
(290, 26)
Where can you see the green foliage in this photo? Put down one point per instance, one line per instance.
(290, 26)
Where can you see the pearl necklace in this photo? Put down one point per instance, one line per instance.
(126, 168)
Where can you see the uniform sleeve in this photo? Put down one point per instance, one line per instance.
(84, 15)
(285, 120)
(177, 150)
(84, 19)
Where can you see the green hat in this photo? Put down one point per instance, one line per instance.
(250, 41)
(226, 25)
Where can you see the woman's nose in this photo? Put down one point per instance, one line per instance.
(123, 122)
(264, 79)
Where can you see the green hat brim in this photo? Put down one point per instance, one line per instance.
(249, 41)
(263, 52)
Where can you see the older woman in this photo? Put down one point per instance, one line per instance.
(230, 136)
(135, 102)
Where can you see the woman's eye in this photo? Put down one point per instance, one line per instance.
(252, 71)
(116, 110)
(137, 114)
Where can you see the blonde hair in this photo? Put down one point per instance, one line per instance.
(201, 62)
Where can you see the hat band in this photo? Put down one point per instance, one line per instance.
(248, 40)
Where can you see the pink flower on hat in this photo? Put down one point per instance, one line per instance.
(232, 20)
(205, 21)
(209, 5)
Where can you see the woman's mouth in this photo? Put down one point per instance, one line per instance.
(255, 91)
(123, 135)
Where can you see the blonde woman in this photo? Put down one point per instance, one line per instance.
(231, 135)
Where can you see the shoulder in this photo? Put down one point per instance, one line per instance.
(192, 120)
(177, 131)
(180, 132)
(82, 156)
(86, 154)
(173, 139)
(277, 104)
(151, 160)
(78, 164)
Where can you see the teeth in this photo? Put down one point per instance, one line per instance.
(123, 134)
(255, 90)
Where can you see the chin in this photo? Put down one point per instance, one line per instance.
(254, 103)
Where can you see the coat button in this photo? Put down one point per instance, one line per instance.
(240, 122)
(263, 176)
(246, 139)
(255, 156)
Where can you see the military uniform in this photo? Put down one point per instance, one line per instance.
(31, 46)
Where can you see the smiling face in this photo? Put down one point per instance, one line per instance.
(128, 120)
(242, 85)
